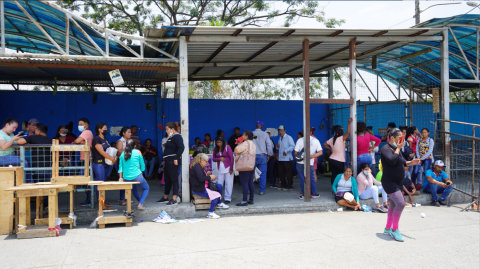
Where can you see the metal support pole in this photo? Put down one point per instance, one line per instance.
(353, 107)
(477, 36)
(183, 79)
(306, 119)
(2, 21)
(67, 34)
(473, 162)
(417, 12)
(107, 44)
(159, 100)
(378, 96)
(330, 84)
(445, 95)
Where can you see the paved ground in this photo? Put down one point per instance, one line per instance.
(446, 238)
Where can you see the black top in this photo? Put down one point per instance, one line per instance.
(41, 157)
(96, 156)
(393, 169)
(198, 178)
(232, 140)
(174, 147)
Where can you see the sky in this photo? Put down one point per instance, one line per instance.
(384, 14)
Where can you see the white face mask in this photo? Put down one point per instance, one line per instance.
(63, 134)
(170, 135)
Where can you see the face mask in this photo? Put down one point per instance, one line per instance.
(81, 128)
(365, 172)
(170, 135)
(63, 134)
(394, 144)
(105, 132)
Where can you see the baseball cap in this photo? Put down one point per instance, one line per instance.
(33, 121)
(439, 163)
(281, 127)
(268, 132)
(260, 122)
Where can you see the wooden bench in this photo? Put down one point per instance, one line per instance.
(24, 192)
(201, 203)
(109, 186)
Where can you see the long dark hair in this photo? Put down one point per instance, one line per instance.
(57, 135)
(129, 147)
(250, 135)
(338, 132)
(99, 126)
(223, 144)
(410, 131)
(361, 127)
(10, 121)
(123, 131)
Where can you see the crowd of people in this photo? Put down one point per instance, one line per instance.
(405, 163)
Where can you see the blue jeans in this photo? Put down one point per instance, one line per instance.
(364, 158)
(214, 202)
(313, 184)
(151, 165)
(110, 169)
(426, 164)
(270, 176)
(246, 178)
(12, 160)
(413, 169)
(433, 189)
(100, 171)
(145, 187)
(261, 163)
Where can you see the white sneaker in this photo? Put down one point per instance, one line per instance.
(212, 216)
(222, 206)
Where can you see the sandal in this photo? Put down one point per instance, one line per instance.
(140, 207)
(124, 203)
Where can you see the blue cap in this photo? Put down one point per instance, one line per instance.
(260, 122)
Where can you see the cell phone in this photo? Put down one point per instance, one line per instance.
(340, 193)
(22, 133)
(402, 138)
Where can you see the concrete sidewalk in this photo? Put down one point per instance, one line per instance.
(274, 201)
(446, 238)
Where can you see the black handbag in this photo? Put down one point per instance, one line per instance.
(212, 186)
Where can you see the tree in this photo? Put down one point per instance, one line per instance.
(133, 16)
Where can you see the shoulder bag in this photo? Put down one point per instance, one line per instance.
(245, 161)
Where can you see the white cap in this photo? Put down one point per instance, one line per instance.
(439, 163)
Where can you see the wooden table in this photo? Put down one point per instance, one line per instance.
(40, 220)
(114, 185)
(24, 192)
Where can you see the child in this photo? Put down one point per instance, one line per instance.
(408, 185)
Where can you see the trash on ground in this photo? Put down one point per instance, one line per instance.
(423, 215)
(188, 221)
(164, 218)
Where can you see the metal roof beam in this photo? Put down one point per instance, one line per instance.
(376, 99)
(463, 54)
(437, 48)
(250, 64)
(82, 66)
(271, 44)
(39, 27)
(85, 57)
(296, 39)
(233, 77)
(87, 36)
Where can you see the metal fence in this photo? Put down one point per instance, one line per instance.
(464, 152)
(37, 163)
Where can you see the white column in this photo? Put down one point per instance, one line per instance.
(183, 70)
(2, 21)
(444, 75)
(353, 106)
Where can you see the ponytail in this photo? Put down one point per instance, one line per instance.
(129, 147)
(338, 133)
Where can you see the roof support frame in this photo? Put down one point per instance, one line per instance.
(463, 54)
(398, 98)
(2, 27)
(39, 27)
(376, 98)
(161, 51)
(87, 36)
(295, 39)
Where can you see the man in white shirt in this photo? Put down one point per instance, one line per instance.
(315, 152)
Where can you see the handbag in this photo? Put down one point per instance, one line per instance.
(212, 186)
(245, 161)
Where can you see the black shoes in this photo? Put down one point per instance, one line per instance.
(163, 200)
(442, 202)
(172, 202)
(227, 202)
(242, 203)
(250, 202)
(435, 203)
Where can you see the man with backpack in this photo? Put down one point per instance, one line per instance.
(315, 152)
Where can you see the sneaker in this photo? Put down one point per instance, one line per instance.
(442, 202)
(212, 215)
(397, 235)
(435, 203)
(385, 206)
(163, 200)
(281, 189)
(250, 202)
(315, 196)
(385, 231)
(222, 206)
(86, 203)
(172, 202)
(300, 197)
(243, 203)
(273, 186)
(227, 202)
(261, 193)
(381, 209)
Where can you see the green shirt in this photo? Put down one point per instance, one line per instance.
(9, 151)
(133, 167)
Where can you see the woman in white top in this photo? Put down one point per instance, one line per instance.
(125, 134)
(337, 146)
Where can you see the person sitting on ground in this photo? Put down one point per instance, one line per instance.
(7, 139)
(344, 187)
(437, 181)
(409, 188)
(367, 189)
(149, 153)
(130, 168)
(208, 140)
(199, 181)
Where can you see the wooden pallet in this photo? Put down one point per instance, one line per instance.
(9, 177)
(200, 203)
